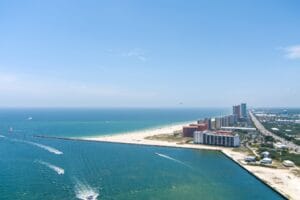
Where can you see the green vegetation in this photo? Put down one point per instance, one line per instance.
(243, 149)
(170, 138)
(243, 134)
(267, 145)
(281, 155)
(288, 135)
(269, 139)
(296, 142)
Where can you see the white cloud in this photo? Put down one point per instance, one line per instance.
(292, 52)
(136, 53)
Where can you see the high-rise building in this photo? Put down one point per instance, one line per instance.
(236, 110)
(225, 121)
(243, 110)
(218, 122)
(232, 120)
(188, 131)
(212, 123)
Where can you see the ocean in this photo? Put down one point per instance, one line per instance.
(40, 168)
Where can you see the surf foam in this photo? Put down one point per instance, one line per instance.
(57, 169)
(173, 159)
(85, 192)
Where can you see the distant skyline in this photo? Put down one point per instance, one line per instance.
(149, 53)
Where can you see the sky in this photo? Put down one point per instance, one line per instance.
(149, 53)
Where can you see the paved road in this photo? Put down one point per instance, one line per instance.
(264, 131)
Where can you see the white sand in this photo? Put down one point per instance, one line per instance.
(282, 180)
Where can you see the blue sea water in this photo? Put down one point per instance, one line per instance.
(91, 122)
(39, 168)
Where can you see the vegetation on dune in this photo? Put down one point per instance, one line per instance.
(281, 155)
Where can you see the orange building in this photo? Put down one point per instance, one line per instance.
(188, 131)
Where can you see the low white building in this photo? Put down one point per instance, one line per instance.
(250, 159)
(288, 163)
(279, 145)
(266, 161)
(216, 138)
(265, 154)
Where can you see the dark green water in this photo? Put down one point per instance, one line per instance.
(36, 168)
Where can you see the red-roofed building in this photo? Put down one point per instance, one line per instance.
(188, 131)
(223, 132)
(201, 126)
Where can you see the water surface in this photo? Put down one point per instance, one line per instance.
(38, 168)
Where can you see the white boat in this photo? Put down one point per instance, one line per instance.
(10, 129)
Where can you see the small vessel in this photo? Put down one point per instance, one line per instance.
(91, 197)
(29, 118)
(10, 129)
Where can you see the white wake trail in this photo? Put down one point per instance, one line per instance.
(85, 192)
(57, 169)
(173, 159)
(45, 147)
(42, 146)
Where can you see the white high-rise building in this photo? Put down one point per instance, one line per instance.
(215, 138)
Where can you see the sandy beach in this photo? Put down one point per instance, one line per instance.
(282, 179)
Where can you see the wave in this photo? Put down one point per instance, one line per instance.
(42, 146)
(85, 192)
(173, 159)
(2, 136)
(57, 169)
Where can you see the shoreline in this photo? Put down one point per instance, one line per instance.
(149, 130)
(281, 193)
(281, 180)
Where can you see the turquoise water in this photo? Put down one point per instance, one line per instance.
(91, 122)
(37, 168)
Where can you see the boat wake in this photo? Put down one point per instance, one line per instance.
(173, 159)
(57, 169)
(42, 146)
(47, 148)
(85, 192)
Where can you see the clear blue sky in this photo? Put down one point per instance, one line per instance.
(149, 53)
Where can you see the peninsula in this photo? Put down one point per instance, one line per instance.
(285, 180)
